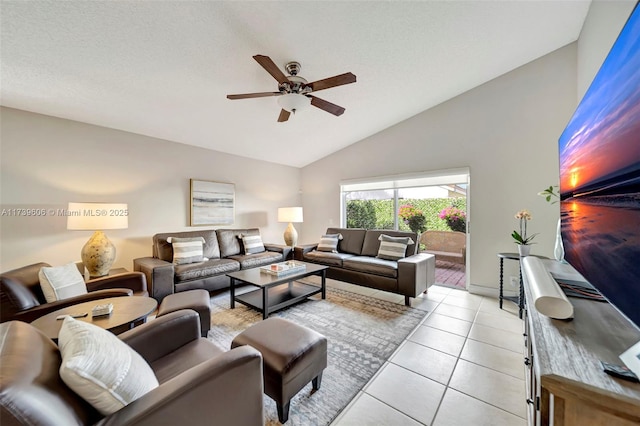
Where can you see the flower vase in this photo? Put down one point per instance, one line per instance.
(524, 250)
(558, 250)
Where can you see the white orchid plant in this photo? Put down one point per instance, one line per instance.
(521, 237)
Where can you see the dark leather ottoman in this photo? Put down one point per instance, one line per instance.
(293, 355)
(198, 300)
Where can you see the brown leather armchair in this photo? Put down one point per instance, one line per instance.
(199, 383)
(21, 297)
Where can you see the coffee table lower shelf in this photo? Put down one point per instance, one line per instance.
(277, 297)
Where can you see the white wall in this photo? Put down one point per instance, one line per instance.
(506, 131)
(47, 162)
(600, 30)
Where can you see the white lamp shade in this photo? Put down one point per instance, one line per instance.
(97, 216)
(293, 102)
(290, 214)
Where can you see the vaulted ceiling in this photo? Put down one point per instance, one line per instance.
(164, 68)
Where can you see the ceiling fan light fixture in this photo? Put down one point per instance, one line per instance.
(293, 102)
(294, 92)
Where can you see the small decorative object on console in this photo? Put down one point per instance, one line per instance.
(283, 268)
(102, 310)
(631, 358)
(551, 194)
(619, 371)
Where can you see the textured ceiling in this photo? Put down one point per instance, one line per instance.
(164, 68)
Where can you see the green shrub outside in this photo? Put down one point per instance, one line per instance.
(379, 214)
(361, 214)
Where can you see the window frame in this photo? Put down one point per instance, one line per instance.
(397, 182)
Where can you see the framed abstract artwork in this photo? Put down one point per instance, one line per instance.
(212, 203)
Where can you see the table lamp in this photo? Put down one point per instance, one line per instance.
(98, 254)
(290, 214)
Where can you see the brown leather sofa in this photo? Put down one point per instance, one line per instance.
(356, 262)
(21, 296)
(199, 383)
(223, 249)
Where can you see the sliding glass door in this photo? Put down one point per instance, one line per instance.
(430, 201)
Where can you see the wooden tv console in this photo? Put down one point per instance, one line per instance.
(564, 379)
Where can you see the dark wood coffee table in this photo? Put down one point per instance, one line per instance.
(276, 292)
(127, 310)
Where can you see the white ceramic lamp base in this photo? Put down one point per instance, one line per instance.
(98, 254)
(291, 236)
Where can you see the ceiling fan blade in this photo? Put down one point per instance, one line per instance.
(337, 80)
(271, 68)
(326, 106)
(284, 116)
(253, 95)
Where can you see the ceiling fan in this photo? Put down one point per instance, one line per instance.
(295, 91)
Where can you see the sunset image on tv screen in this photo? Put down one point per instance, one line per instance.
(600, 176)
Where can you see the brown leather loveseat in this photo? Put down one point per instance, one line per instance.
(355, 261)
(199, 383)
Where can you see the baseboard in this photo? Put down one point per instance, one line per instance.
(489, 291)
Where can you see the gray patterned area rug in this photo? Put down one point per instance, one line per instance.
(362, 333)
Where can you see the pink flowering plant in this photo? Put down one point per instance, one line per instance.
(407, 211)
(456, 219)
(521, 238)
(413, 218)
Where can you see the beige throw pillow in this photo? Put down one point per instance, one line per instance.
(61, 282)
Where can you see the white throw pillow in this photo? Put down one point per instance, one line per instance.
(101, 368)
(61, 282)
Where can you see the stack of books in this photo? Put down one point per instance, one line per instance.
(102, 310)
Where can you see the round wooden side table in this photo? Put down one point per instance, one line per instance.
(127, 310)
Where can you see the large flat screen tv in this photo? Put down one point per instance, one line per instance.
(600, 177)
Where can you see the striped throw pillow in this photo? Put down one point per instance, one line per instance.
(252, 244)
(393, 248)
(329, 243)
(187, 250)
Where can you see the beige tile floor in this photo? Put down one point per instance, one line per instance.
(463, 365)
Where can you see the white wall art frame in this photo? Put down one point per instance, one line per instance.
(212, 203)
